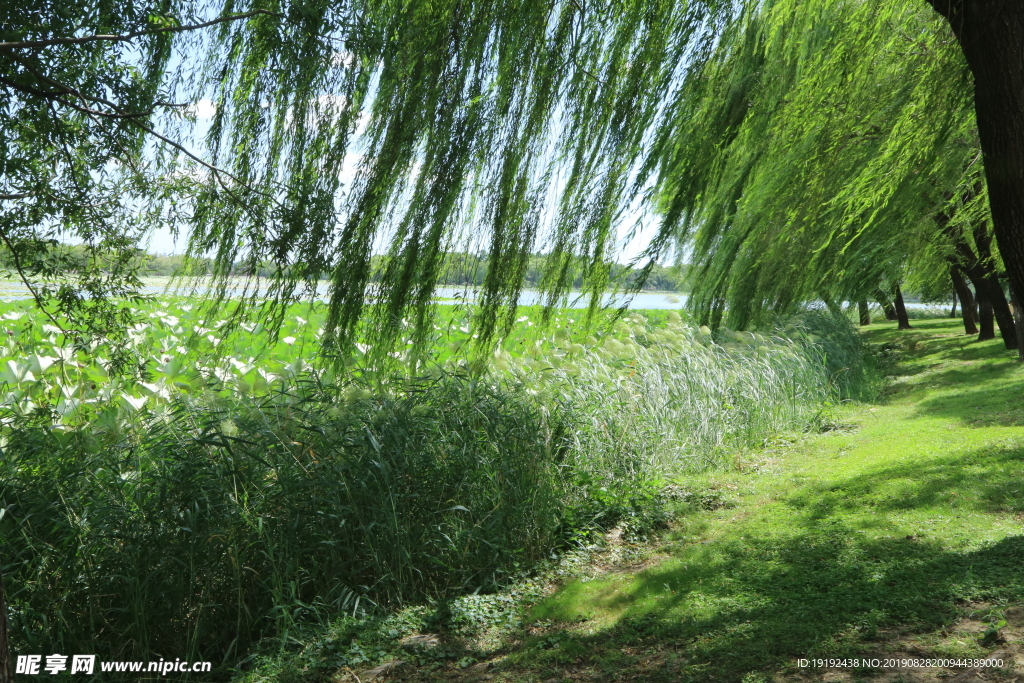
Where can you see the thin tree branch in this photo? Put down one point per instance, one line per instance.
(40, 304)
(28, 90)
(22, 44)
(585, 71)
(121, 114)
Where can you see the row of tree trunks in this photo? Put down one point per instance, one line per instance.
(886, 303)
(967, 303)
(980, 269)
(895, 308)
(985, 275)
(991, 35)
(989, 307)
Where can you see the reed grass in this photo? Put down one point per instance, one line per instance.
(223, 521)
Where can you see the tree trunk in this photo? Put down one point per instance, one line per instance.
(952, 311)
(886, 303)
(901, 310)
(986, 321)
(833, 308)
(991, 35)
(968, 305)
(994, 288)
(1018, 319)
(6, 668)
(864, 311)
(981, 270)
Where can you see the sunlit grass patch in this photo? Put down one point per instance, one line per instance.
(895, 525)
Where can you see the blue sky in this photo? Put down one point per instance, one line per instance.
(161, 241)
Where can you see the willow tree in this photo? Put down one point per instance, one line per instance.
(991, 35)
(498, 127)
(501, 127)
(820, 150)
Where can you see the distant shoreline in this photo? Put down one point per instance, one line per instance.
(191, 281)
(182, 286)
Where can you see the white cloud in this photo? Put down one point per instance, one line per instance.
(343, 58)
(336, 101)
(349, 167)
(203, 109)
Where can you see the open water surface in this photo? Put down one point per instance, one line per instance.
(12, 290)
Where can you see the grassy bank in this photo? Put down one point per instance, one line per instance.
(878, 536)
(219, 513)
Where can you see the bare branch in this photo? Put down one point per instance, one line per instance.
(22, 44)
(29, 90)
(586, 72)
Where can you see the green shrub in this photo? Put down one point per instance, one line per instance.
(224, 523)
(842, 350)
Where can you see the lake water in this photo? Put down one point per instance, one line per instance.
(11, 290)
(14, 290)
(531, 297)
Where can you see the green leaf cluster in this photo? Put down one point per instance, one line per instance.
(812, 152)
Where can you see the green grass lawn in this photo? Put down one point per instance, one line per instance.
(899, 521)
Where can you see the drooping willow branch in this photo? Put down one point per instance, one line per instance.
(118, 113)
(46, 42)
(23, 276)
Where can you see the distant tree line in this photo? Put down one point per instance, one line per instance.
(459, 269)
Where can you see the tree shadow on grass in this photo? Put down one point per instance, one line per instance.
(932, 338)
(988, 479)
(1001, 405)
(977, 378)
(826, 585)
(764, 603)
(821, 589)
